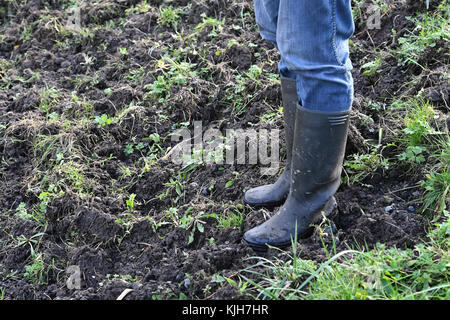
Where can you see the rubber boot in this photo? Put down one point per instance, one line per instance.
(317, 156)
(274, 194)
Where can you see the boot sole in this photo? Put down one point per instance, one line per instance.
(317, 217)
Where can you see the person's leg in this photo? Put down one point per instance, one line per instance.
(273, 194)
(312, 37)
(266, 14)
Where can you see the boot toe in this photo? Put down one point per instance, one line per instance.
(261, 236)
(256, 195)
(255, 239)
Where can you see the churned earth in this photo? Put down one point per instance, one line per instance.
(86, 117)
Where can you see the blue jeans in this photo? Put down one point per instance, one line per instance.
(312, 38)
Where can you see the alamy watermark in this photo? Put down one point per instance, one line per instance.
(214, 147)
(373, 17)
(74, 279)
(373, 20)
(73, 22)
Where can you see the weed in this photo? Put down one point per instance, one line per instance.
(231, 218)
(229, 183)
(72, 177)
(26, 33)
(103, 120)
(130, 202)
(127, 277)
(413, 154)
(175, 72)
(172, 213)
(272, 116)
(360, 166)
(21, 240)
(126, 220)
(444, 151)
(22, 211)
(240, 284)
(159, 89)
(212, 242)
(178, 184)
(45, 198)
(214, 24)
(128, 149)
(436, 197)
(137, 75)
(49, 98)
(417, 123)
(238, 96)
(194, 222)
(170, 16)
(141, 7)
(36, 215)
(430, 29)
(123, 51)
(372, 68)
(157, 225)
(35, 272)
(196, 226)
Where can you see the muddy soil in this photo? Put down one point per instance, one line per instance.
(92, 227)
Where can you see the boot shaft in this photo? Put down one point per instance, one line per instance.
(318, 152)
(290, 101)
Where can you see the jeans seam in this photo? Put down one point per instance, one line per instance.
(334, 27)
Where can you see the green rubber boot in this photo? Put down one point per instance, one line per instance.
(274, 194)
(316, 166)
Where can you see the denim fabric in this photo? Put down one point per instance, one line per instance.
(312, 38)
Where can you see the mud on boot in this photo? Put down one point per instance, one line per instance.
(274, 194)
(316, 166)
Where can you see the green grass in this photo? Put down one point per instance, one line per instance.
(418, 123)
(231, 218)
(380, 273)
(436, 197)
(427, 148)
